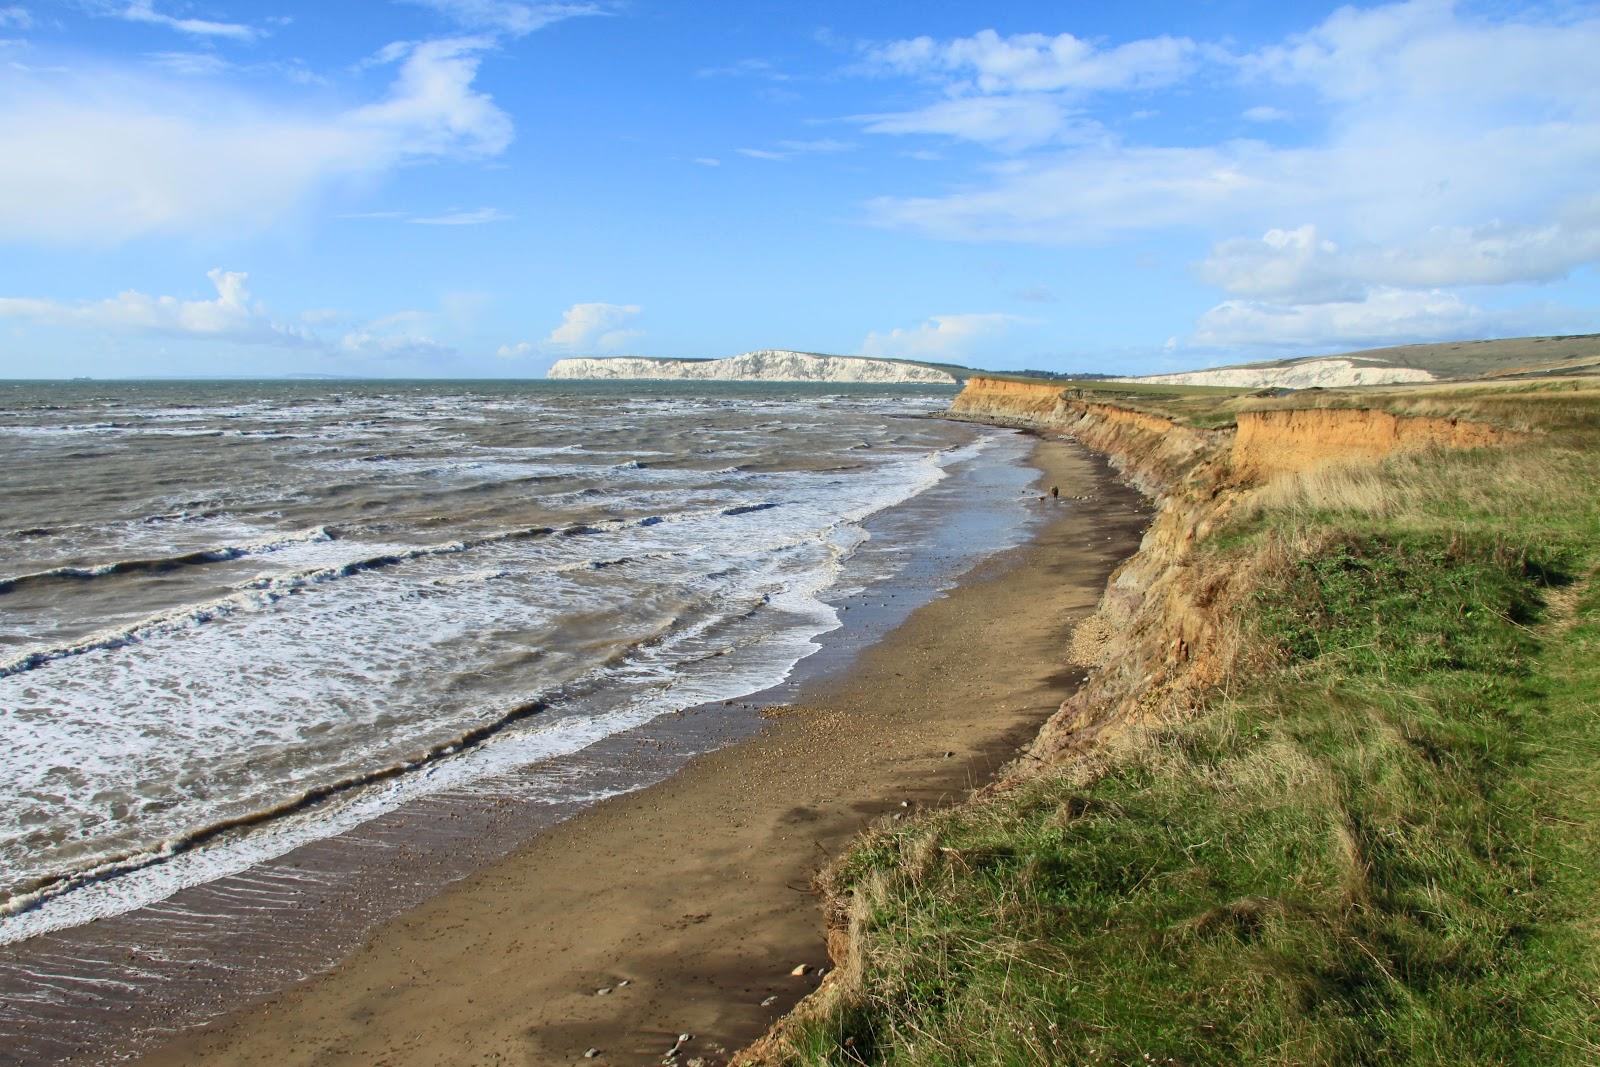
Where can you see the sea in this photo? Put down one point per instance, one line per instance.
(255, 633)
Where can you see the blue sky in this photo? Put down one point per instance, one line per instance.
(478, 187)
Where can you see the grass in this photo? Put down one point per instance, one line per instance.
(1379, 846)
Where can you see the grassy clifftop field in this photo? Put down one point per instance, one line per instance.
(1330, 795)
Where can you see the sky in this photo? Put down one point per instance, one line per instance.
(476, 188)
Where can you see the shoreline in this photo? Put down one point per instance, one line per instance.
(117, 986)
(505, 965)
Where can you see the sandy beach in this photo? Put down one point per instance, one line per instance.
(683, 908)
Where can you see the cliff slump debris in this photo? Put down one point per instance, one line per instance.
(768, 365)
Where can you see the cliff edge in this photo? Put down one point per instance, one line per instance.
(1300, 622)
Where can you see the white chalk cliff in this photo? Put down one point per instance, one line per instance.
(768, 365)
(1305, 374)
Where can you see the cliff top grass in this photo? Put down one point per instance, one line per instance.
(1539, 405)
(1377, 842)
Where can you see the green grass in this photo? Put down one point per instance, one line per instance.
(1380, 848)
(1114, 389)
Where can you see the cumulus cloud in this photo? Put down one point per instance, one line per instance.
(392, 345)
(510, 16)
(232, 316)
(986, 62)
(1300, 266)
(1459, 151)
(1018, 92)
(516, 351)
(942, 337)
(1385, 316)
(104, 156)
(595, 327)
(1437, 120)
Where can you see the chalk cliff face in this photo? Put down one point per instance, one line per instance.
(768, 365)
(1306, 374)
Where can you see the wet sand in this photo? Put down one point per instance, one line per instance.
(695, 892)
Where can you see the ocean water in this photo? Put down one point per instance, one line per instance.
(238, 617)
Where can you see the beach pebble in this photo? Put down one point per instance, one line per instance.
(591, 1053)
(800, 970)
(624, 982)
(602, 991)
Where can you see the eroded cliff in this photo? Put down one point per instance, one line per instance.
(1162, 637)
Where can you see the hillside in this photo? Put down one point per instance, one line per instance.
(1329, 791)
(1452, 360)
(768, 365)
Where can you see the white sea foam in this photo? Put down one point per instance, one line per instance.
(349, 658)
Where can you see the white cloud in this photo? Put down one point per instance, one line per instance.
(509, 16)
(1264, 113)
(394, 346)
(708, 161)
(1034, 62)
(17, 16)
(1302, 267)
(1092, 193)
(1436, 120)
(1019, 92)
(1008, 122)
(758, 68)
(1283, 263)
(453, 217)
(595, 327)
(191, 64)
(104, 156)
(144, 11)
(1386, 316)
(463, 218)
(516, 351)
(432, 106)
(942, 337)
(232, 316)
(790, 149)
(207, 64)
(1427, 51)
